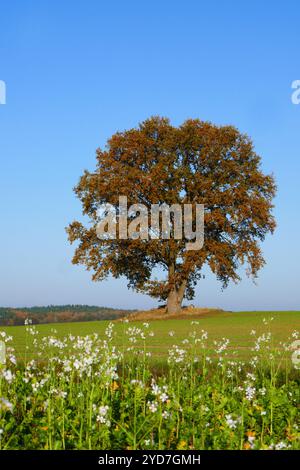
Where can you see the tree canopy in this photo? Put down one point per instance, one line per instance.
(157, 163)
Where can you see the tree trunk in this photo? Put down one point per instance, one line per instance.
(175, 298)
(176, 294)
(173, 304)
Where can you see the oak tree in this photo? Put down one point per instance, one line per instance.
(157, 163)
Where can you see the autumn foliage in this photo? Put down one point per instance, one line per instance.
(157, 163)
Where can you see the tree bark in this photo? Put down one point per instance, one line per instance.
(173, 305)
(176, 293)
(175, 298)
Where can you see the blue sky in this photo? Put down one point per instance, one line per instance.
(76, 72)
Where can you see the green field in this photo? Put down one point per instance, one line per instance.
(223, 381)
(236, 326)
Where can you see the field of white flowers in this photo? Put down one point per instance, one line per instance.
(85, 393)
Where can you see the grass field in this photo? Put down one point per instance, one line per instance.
(236, 326)
(221, 381)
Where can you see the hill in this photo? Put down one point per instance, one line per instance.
(187, 313)
(59, 314)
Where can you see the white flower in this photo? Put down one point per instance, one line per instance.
(280, 445)
(102, 420)
(5, 337)
(221, 346)
(8, 376)
(12, 359)
(176, 355)
(6, 405)
(251, 440)
(251, 376)
(109, 331)
(163, 397)
(139, 383)
(155, 389)
(77, 364)
(250, 393)
(103, 410)
(232, 423)
(254, 361)
(204, 334)
(153, 406)
(102, 415)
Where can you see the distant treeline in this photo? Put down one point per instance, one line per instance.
(59, 314)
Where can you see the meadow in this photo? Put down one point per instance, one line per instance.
(222, 381)
(236, 326)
